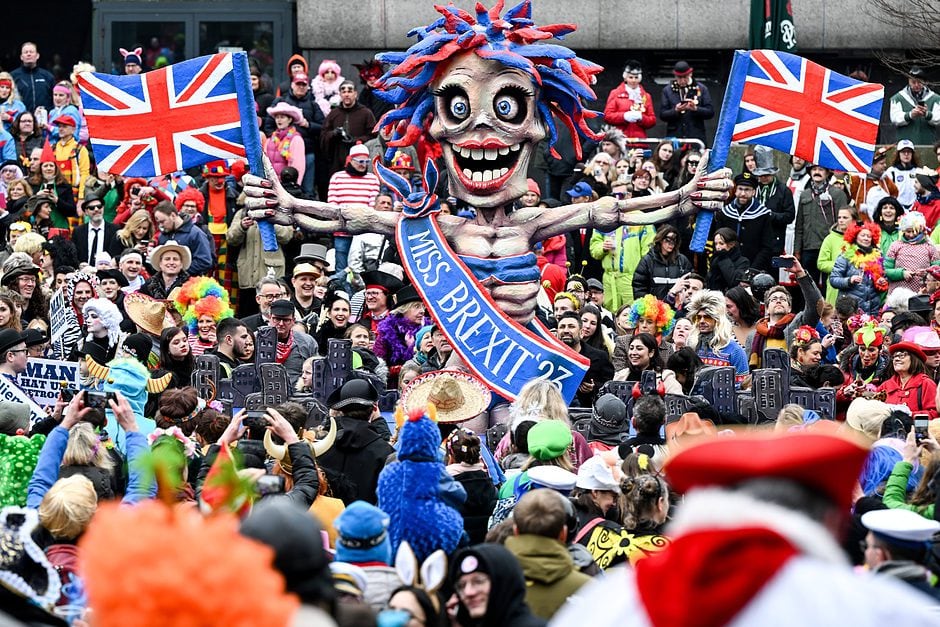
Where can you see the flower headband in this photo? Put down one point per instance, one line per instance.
(805, 335)
(189, 447)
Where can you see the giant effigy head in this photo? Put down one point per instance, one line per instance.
(488, 88)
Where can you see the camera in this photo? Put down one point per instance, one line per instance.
(98, 400)
(343, 135)
(269, 484)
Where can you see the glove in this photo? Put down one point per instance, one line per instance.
(632, 116)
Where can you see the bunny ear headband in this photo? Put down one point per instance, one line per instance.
(432, 572)
(135, 52)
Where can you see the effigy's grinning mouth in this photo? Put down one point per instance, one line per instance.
(483, 165)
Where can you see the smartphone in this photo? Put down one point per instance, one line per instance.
(268, 485)
(48, 186)
(782, 262)
(67, 393)
(647, 153)
(98, 400)
(920, 426)
(255, 419)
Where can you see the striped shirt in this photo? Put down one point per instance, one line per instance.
(346, 189)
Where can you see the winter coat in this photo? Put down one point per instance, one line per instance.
(814, 217)
(907, 256)
(921, 130)
(725, 266)
(929, 205)
(295, 153)
(691, 123)
(754, 227)
(549, 572)
(481, 500)
(34, 85)
(777, 197)
(506, 606)
(619, 102)
(192, 237)
(304, 347)
(654, 275)
(253, 261)
(358, 123)
(888, 237)
(869, 298)
(631, 243)
(919, 394)
(360, 454)
(896, 491)
(311, 112)
(831, 249)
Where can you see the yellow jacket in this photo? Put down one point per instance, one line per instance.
(73, 161)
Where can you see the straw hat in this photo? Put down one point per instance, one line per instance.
(170, 246)
(690, 427)
(147, 313)
(457, 396)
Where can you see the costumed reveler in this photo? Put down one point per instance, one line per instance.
(203, 303)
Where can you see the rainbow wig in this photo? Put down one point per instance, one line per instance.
(514, 40)
(653, 309)
(202, 296)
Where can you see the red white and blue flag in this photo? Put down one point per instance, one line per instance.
(802, 108)
(181, 116)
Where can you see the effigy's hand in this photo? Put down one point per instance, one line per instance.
(705, 191)
(265, 197)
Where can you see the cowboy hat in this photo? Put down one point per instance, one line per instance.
(457, 396)
(283, 108)
(170, 246)
(689, 427)
(147, 313)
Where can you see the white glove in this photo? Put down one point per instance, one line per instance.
(633, 116)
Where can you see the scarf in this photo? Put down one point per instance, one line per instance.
(798, 175)
(766, 192)
(284, 348)
(917, 239)
(282, 139)
(766, 331)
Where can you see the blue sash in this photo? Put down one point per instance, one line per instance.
(496, 348)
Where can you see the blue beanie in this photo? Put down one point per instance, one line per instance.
(363, 535)
(420, 335)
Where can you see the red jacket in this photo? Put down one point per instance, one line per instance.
(618, 103)
(920, 394)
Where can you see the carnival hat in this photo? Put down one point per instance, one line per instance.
(113, 273)
(17, 265)
(33, 202)
(795, 457)
(34, 337)
(354, 393)
(147, 313)
(24, 569)
(306, 268)
(910, 347)
(457, 396)
(925, 337)
(137, 346)
(682, 68)
(407, 294)
(401, 161)
(745, 179)
(764, 160)
(10, 338)
(284, 108)
(926, 177)
(94, 350)
(65, 120)
(216, 169)
(170, 246)
(689, 427)
(595, 474)
(549, 439)
(901, 526)
(384, 281)
(311, 253)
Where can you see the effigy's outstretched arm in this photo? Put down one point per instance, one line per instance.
(267, 199)
(704, 191)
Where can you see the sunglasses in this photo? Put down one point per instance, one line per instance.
(619, 195)
(692, 162)
(671, 239)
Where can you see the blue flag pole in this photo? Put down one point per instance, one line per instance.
(719, 153)
(250, 136)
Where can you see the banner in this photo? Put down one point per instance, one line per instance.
(43, 379)
(58, 316)
(11, 393)
(772, 26)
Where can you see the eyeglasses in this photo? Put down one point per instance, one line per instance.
(268, 296)
(374, 292)
(28, 280)
(18, 350)
(778, 299)
(279, 320)
(93, 207)
(701, 316)
(361, 160)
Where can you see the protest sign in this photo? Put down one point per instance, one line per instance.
(58, 316)
(11, 393)
(44, 378)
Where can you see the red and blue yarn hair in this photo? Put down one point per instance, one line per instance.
(653, 309)
(514, 40)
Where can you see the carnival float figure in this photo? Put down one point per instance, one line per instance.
(488, 89)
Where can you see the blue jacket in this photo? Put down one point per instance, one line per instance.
(869, 298)
(7, 146)
(192, 237)
(35, 86)
(50, 458)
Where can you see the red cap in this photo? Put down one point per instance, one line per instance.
(825, 463)
(301, 78)
(65, 119)
(215, 168)
(533, 187)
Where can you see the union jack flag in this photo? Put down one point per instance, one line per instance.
(171, 119)
(801, 108)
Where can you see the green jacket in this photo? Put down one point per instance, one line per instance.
(889, 238)
(920, 130)
(550, 575)
(828, 253)
(631, 243)
(896, 491)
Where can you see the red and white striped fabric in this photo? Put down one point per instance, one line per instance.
(347, 189)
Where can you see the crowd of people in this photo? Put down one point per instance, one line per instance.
(462, 509)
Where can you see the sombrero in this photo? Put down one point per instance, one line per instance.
(147, 313)
(457, 396)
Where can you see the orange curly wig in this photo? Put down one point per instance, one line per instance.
(855, 227)
(178, 569)
(193, 194)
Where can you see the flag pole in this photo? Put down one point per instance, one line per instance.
(719, 152)
(250, 136)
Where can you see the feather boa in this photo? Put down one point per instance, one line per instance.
(397, 335)
(872, 266)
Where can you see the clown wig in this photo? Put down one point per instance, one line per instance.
(912, 220)
(193, 194)
(514, 40)
(856, 227)
(652, 308)
(202, 296)
(110, 316)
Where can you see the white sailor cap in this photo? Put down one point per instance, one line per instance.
(900, 525)
(552, 477)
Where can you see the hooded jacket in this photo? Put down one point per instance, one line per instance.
(284, 88)
(654, 275)
(549, 572)
(506, 606)
(360, 454)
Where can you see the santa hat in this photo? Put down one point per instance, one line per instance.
(47, 156)
(824, 463)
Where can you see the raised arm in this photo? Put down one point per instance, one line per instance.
(704, 191)
(267, 198)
